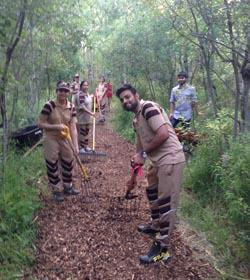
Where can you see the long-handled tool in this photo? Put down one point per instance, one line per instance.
(94, 123)
(66, 136)
(33, 148)
(123, 207)
(93, 153)
(129, 204)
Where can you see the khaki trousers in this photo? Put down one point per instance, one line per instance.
(83, 135)
(59, 162)
(103, 108)
(163, 192)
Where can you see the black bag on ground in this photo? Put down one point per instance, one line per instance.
(27, 136)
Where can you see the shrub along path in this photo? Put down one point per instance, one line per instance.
(79, 240)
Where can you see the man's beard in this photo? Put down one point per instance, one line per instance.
(132, 107)
(181, 83)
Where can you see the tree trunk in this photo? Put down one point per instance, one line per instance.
(3, 81)
(235, 64)
(47, 74)
(245, 72)
(32, 99)
(206, 53)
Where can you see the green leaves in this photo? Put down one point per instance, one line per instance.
(18, 204)
(219, 178)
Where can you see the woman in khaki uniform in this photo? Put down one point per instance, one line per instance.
(83, 104)
(56, 116)
(102, 99)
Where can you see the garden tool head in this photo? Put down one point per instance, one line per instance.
(86, 156)
(129, 195)
(132, 206)
(122, 207)
(90, 192)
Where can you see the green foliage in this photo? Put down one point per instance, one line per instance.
(18, 204)
(210, 220)
(218, 176)
(203, 169)
(123, 122)
(235, 181)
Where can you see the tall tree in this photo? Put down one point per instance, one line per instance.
(15, 30)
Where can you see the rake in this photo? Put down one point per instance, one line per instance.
(85, 156)
(129, 204)
(84, 172)
(124, 206)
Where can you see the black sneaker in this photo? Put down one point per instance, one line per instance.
(71, 191)
(156, 253)
(147, 229)
(58, 196)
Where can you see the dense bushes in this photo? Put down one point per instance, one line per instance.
(219, 178)
(18, 203)
(235, 182)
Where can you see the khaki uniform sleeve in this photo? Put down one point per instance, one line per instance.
(153, 116)
(73, 115)
(43, 118)
(46, 111)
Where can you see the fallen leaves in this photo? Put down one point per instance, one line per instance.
(79, 240)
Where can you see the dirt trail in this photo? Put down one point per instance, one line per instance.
(79, 240)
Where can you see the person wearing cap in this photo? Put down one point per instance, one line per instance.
(83, 105)
(183, 101)
(57, 116)
(75, 86)
(102, 99)
(109, 93)
(157, 141)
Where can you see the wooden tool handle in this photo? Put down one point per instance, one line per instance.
(33, 148)
(94, 119)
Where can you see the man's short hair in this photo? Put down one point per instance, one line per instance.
(125, 87)
(182, 74)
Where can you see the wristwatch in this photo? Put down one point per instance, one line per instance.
(143, 154)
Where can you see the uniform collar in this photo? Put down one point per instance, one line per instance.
(68, 105)
(140, 107)
(85, 93)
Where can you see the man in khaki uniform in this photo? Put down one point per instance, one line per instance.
(83, 105)
(156, 140)
(55, 117)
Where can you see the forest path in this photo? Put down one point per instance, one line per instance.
(78, 239)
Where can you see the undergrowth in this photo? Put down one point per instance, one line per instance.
(19, 200)
(216, 196)
(217, 181)
(122, 122)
